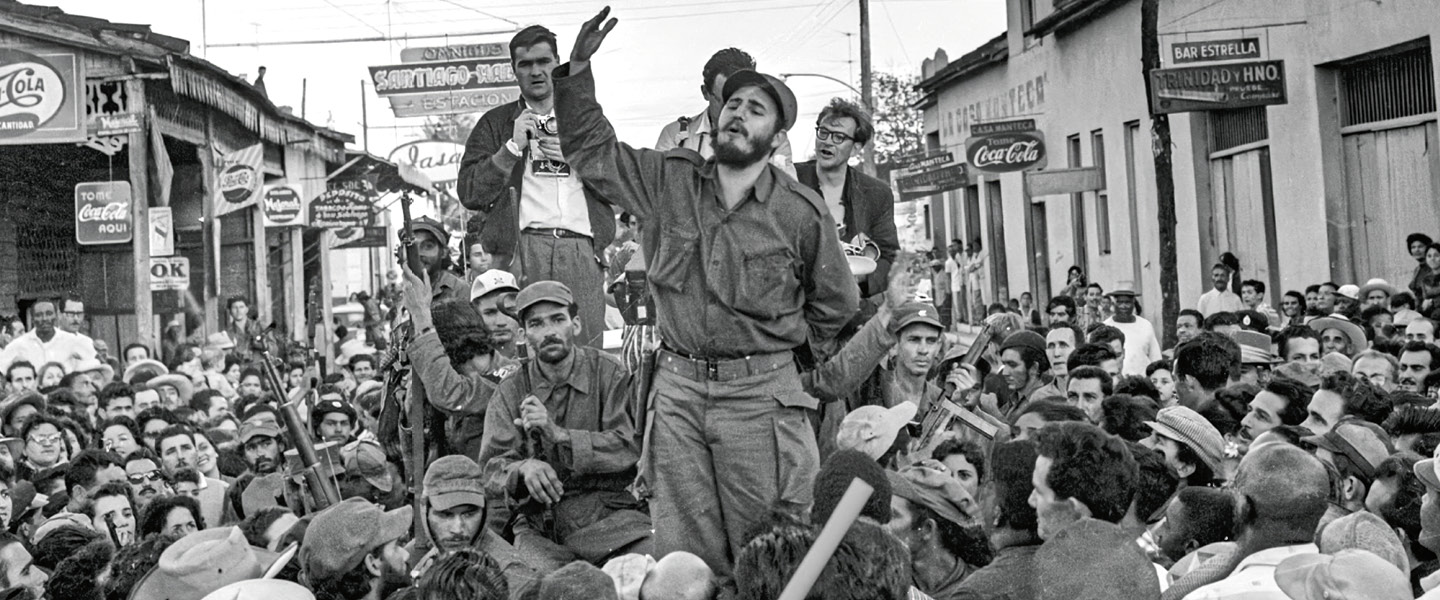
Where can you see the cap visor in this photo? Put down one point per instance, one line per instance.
(274, 562)
(396, 524)
(451, 500)
(1295, 574)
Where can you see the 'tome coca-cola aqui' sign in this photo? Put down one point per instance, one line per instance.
(102, 213)
(1006, 152)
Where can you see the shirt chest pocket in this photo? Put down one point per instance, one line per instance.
(767, 286)
(671, 261)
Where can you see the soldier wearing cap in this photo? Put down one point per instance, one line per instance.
(560, 440)
(456, 509)
(493, 295)
(933, 516)
(746, 268)
(432, 242)
(333, 420)
(356, 542)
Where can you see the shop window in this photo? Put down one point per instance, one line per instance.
(1237, 127)
(1391, 86)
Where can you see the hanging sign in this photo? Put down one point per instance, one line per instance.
(359, 237)
(338, 208)
(1006, 152)
(935, 181)
(282, 206)
(162, 230)
(238, 180)
(102, 213)
(169, 273)
(437, 160)
(1220, 86)
(40, 93)
(1215, 50)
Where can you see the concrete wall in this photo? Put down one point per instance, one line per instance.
(1093, 81)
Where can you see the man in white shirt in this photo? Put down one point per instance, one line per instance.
(1220, 299)
(45, 343)
(539, 222)
(1283, 493)
(1252, 293)
(1142, 347)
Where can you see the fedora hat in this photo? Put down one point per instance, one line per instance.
(205, 561)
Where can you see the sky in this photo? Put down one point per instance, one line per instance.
(648, 72)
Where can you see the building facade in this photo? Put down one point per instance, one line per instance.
(1322, 187)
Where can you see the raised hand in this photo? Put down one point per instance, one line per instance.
(590, 38)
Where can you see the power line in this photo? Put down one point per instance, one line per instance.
(478, 11)
(357, 40)
(358, 19)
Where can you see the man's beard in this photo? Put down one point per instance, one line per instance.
(732, 155)
(553, 351)
(264, 466)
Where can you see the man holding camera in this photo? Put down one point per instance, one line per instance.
(551, 228)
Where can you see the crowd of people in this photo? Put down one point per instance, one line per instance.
(767, 365)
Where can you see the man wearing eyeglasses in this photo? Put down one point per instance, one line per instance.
(142, 471)
(862, 205)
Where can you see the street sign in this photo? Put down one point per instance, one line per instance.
(116, 124)
(1215, 50)
(341, 208)
(448, 76)
(446, 103)
(980, 129)
(1220, 86)
(169, 273)
(1006, 152)
(162, 230)
(1054, 182)
(42, 96)
(359, 237)
(282, 206)
(935, 181)
(455, 52)
(102, 213)
(933, 160)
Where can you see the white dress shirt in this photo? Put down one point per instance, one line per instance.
(1254, 577)
(66, 348)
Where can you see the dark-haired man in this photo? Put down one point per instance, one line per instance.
(455, 515)
(17, 568)
(861, 204)
(576, 401)
(1219, 299)
(21, 377)
(1011, 573)
(1084, 484)
(1197, 517)
(1142, 347)
(1284, 401)
(352, 551)
(929, 515)
(1086, 389)
(1187, 325)
(746, 269)
(1203, 366)
(1341, 396)
(46, 343)
(1027, 368)
(1417, 360)
(89, 470)
(553, 227)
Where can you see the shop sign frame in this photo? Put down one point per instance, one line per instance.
(41, 93)
(1218, 86)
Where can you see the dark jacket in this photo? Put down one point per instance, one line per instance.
(484, 180)
(869, 209)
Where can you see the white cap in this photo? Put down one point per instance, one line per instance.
(492, 281)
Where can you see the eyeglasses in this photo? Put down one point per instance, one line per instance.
(45, 440)
(74, 313)
(824, 135)
(141, 478)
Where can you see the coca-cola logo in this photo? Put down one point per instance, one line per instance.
(102, 212)
(282, 205)
(1006, 152)
(237, 183)
(31, 93)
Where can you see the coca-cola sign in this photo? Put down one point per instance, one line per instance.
(39, 88)
(102, 213)
(282, 206)
(1006, 152)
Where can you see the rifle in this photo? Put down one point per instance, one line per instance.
(943, 412)
(534, 444)
(319, 478)
(416, 411)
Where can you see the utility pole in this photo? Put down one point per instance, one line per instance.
(1160, 146)
(867, 96)
(364, 120)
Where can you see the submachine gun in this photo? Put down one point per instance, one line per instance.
(944, 412)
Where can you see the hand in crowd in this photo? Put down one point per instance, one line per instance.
(416, 293)
(542, 481)
(524, 128)
(590, 38)
(534, 417)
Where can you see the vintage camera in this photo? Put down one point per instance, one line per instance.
(547, 125)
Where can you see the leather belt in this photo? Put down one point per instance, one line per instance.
(555, 233)
(724, 369)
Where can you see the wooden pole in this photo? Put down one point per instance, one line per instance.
(139, 153)
(1161, 147)
(867, 86)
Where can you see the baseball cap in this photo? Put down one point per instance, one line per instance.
(367, 459)
(915, 312)
(771, 85)
(1349, 290)
(493, 280)
(1363, 530)
(203, 562)
(432, 226)
(343, 534)
(1254, 348)
(1186, 426)
(1345, 575)
(930, 484)
(872, 429)
(1349, 441)
(543, 291)
(250, 429)
(452, 481)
